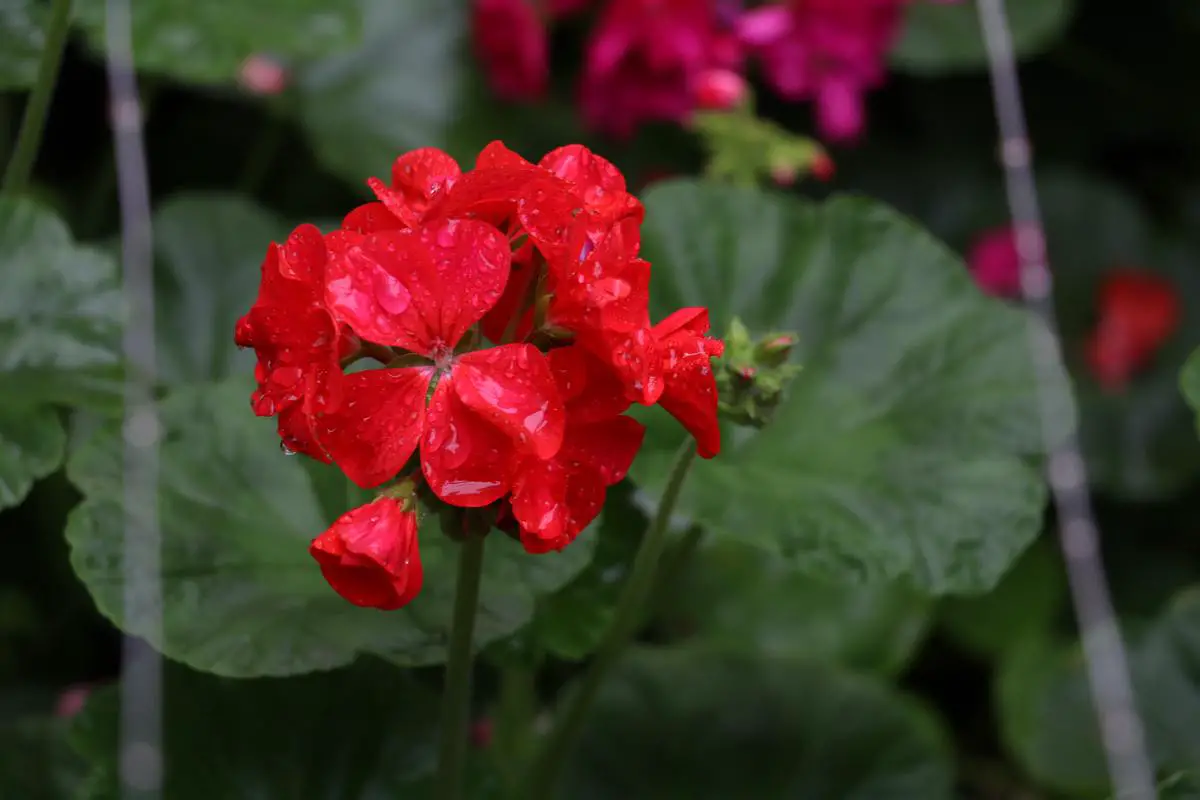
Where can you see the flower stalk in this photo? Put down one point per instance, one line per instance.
(20, 167)
(560, 742)
(456, 695)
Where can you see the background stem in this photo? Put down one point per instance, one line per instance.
(456, 696)
(562, 738)
(20, 167)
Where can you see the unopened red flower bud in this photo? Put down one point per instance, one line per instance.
(822, 166)
(748, 373)
(719, 89)
(263, 75)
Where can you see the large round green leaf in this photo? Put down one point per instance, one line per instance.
(362, 733)
(22, 35)
(1048, 720)
(678, 724)
(240, 594)
(904, 449)
(740, 599)
(60, 317)
(207, 42)
(947, 37)
(210, 247)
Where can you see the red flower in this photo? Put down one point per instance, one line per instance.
(689, 386)
(421, 290)
(510, 42)
(643, 60)
(296, 339)
(1138, 312)
(370, 557)
(555, 499)
(539, 258)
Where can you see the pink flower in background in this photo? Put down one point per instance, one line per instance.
(643, 61)
(72, 700)
(994, 262)
(510, 42)
(828, 51)
(261, 74)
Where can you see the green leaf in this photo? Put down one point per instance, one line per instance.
(240, 595)
(939, 37)
(399, 91)
(22, 36)
(210, 247)
(1026, 603)
(678, 724)
(739, 599)
(32, 442)
(59, 332)
(367, 731)
(904, 450)
(1047, 717)
(207, 42)
(60, 313)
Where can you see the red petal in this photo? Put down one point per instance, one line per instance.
(374, 286)
(424, 173)
(296, 433)
(607, 448)
(556, 522)
(588, 387)
(370, 555)
(472, 260)
(302, 256)
(515, 300)
(466, 461)
(512, 388)
(492, 195)
(690, 388)
(577, 164)
(497, 154)
(375, 431)
(539, 500)
(548, 210)
(370, 218)
(422, 289)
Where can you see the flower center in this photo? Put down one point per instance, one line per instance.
(443, 356)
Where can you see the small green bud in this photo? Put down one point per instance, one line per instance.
(752, 374)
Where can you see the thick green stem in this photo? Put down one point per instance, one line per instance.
(456, 696)
(20, 167)
(514, 724)
(630, 607)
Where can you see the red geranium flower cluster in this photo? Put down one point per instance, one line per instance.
(508, 308)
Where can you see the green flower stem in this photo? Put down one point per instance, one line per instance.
(456, 696)
(514, 723)
(675, 563)
(30, 136)
(630, 607)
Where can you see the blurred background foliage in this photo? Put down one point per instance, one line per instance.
(780, 683)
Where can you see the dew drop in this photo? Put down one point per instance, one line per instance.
(287, 451)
